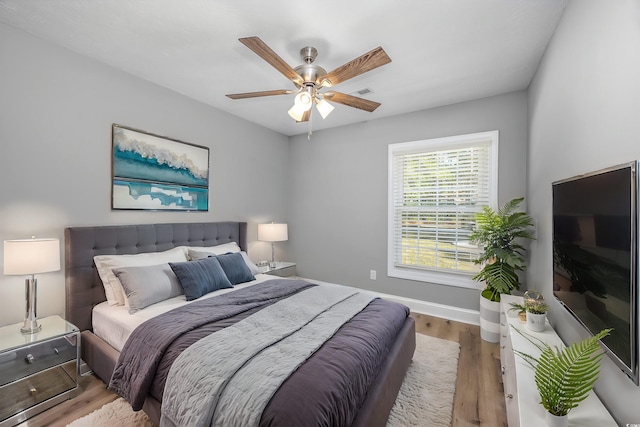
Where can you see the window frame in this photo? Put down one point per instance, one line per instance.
(424, 274)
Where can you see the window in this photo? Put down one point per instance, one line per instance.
(436, 187)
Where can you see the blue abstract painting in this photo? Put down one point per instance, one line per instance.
(158, 173)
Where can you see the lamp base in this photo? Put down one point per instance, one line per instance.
(30, 319)
(31, 327)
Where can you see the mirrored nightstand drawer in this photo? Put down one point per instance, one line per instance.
(27, 393)
(25, 361)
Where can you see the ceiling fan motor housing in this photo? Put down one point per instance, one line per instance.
(310, 73)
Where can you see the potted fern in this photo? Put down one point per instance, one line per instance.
(500, 234)
(565, 377)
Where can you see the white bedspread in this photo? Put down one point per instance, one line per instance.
(114, 324)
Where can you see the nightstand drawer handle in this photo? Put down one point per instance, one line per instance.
(29, 358)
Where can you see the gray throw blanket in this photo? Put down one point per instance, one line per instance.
(142, 353)
(247, 362)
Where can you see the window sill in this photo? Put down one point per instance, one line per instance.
(437, 277)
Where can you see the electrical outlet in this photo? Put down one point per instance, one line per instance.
(372, 274)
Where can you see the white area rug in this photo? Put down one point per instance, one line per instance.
(426, 395)
(425, 398)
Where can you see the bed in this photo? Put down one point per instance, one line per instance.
(84, 291)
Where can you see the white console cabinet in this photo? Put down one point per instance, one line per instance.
(521, 395)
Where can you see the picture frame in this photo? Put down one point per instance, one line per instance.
(153, 172)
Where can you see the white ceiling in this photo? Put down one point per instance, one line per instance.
(442, 51)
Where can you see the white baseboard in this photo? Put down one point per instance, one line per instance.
(457, 314)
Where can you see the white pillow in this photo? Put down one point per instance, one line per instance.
(112, 287)
(215, 250)
(254, 268)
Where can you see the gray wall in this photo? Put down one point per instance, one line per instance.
(338, 191)
(56, 111)
(583, 116)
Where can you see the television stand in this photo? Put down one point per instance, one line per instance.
(521, 395)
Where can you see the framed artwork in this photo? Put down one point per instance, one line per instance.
(153, 172)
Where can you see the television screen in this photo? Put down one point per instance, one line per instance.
(594, 257)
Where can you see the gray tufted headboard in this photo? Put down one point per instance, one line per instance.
(84, 288)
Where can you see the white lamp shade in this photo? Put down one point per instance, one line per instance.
(272, 232)
(303, 101)
(296, 113)
(324, 108)
(31, 256)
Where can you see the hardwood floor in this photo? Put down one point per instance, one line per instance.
(479, 399)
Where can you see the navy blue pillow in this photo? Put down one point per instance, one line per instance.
(235, 268)
(200, 277)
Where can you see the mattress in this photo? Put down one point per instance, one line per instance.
(114, 324)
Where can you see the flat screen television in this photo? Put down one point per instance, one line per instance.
(595, 257)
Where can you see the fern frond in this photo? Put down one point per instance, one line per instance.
(500, 275)
(565, 377)
(510, 206)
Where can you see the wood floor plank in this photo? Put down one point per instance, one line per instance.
(479, 398)
(466, 403)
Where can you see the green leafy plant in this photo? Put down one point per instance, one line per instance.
(565, 377)
(500, 234)
(519, 307)
(536, 307)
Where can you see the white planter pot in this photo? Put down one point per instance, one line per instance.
(555, 420)
(489, 320)
(536, 322)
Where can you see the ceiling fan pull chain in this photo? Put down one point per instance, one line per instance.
(310, 120)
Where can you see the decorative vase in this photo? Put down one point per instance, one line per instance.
(557, 420)
(489, 320)
(536, 322)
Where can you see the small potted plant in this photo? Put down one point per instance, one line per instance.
(522, 310)
(565, 377)
(536, 314)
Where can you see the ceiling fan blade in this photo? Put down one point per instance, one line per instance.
(257, 94)
(352, 101)
(266, 53)
(367, 62)
(305, 116)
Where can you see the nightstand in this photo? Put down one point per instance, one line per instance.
(282, 269)
(37, 371)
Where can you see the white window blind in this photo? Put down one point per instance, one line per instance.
(435, 189)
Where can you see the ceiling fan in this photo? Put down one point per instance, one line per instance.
(310, 79)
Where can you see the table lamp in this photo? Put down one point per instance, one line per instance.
(30, 257)
(272, 233)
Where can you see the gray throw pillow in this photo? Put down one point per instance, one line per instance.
(147, 285)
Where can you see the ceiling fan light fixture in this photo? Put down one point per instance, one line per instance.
(296, 113)
(303, 101)
(324, 108)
